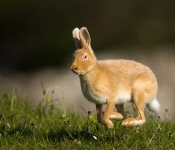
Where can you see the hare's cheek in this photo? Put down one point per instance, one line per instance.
(86, 66)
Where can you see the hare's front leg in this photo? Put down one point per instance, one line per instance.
(105, 120)
(99, 113)
(109, 114)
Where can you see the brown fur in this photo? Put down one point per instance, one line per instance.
(112, 82)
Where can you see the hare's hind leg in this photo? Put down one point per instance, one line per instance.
(139, 100)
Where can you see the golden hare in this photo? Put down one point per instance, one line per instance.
(113, 82)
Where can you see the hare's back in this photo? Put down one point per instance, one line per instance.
(127, 74)
(124, 66)
(127, 70)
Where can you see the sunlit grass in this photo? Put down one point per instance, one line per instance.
(45, 126)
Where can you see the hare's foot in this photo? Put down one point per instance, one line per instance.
(109, 124)
(116, 115)
(133, 122)
(108, 112)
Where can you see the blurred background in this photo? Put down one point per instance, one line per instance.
(36, 44)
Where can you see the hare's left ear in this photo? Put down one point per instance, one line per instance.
(76, 38)
(85, 38)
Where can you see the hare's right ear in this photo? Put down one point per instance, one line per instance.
(76, 38)
(85, 38)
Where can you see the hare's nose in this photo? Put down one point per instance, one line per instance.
(74, 68)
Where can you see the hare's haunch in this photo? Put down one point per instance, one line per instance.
(113, 82)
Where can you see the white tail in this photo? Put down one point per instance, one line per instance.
(153, 106)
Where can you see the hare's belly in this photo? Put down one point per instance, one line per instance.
(98, 97)
(92, 96)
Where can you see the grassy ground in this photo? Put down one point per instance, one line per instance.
(26, 126)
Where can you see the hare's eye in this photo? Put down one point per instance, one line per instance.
(85, 56)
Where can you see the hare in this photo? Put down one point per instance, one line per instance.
(113, 82)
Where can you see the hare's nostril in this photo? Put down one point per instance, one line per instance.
(74, 68)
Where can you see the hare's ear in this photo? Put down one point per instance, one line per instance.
(85, 38)
(76, 38)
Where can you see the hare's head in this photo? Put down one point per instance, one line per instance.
(84, 58)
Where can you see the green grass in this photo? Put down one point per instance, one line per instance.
(24, 126)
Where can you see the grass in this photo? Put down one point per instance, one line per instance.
(24, 126)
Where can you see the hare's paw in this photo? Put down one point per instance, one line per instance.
(116, 115)
(109, 124)
(133, 122)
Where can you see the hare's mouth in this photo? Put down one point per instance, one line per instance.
(77, 72)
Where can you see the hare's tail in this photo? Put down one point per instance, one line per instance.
(153, 106)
